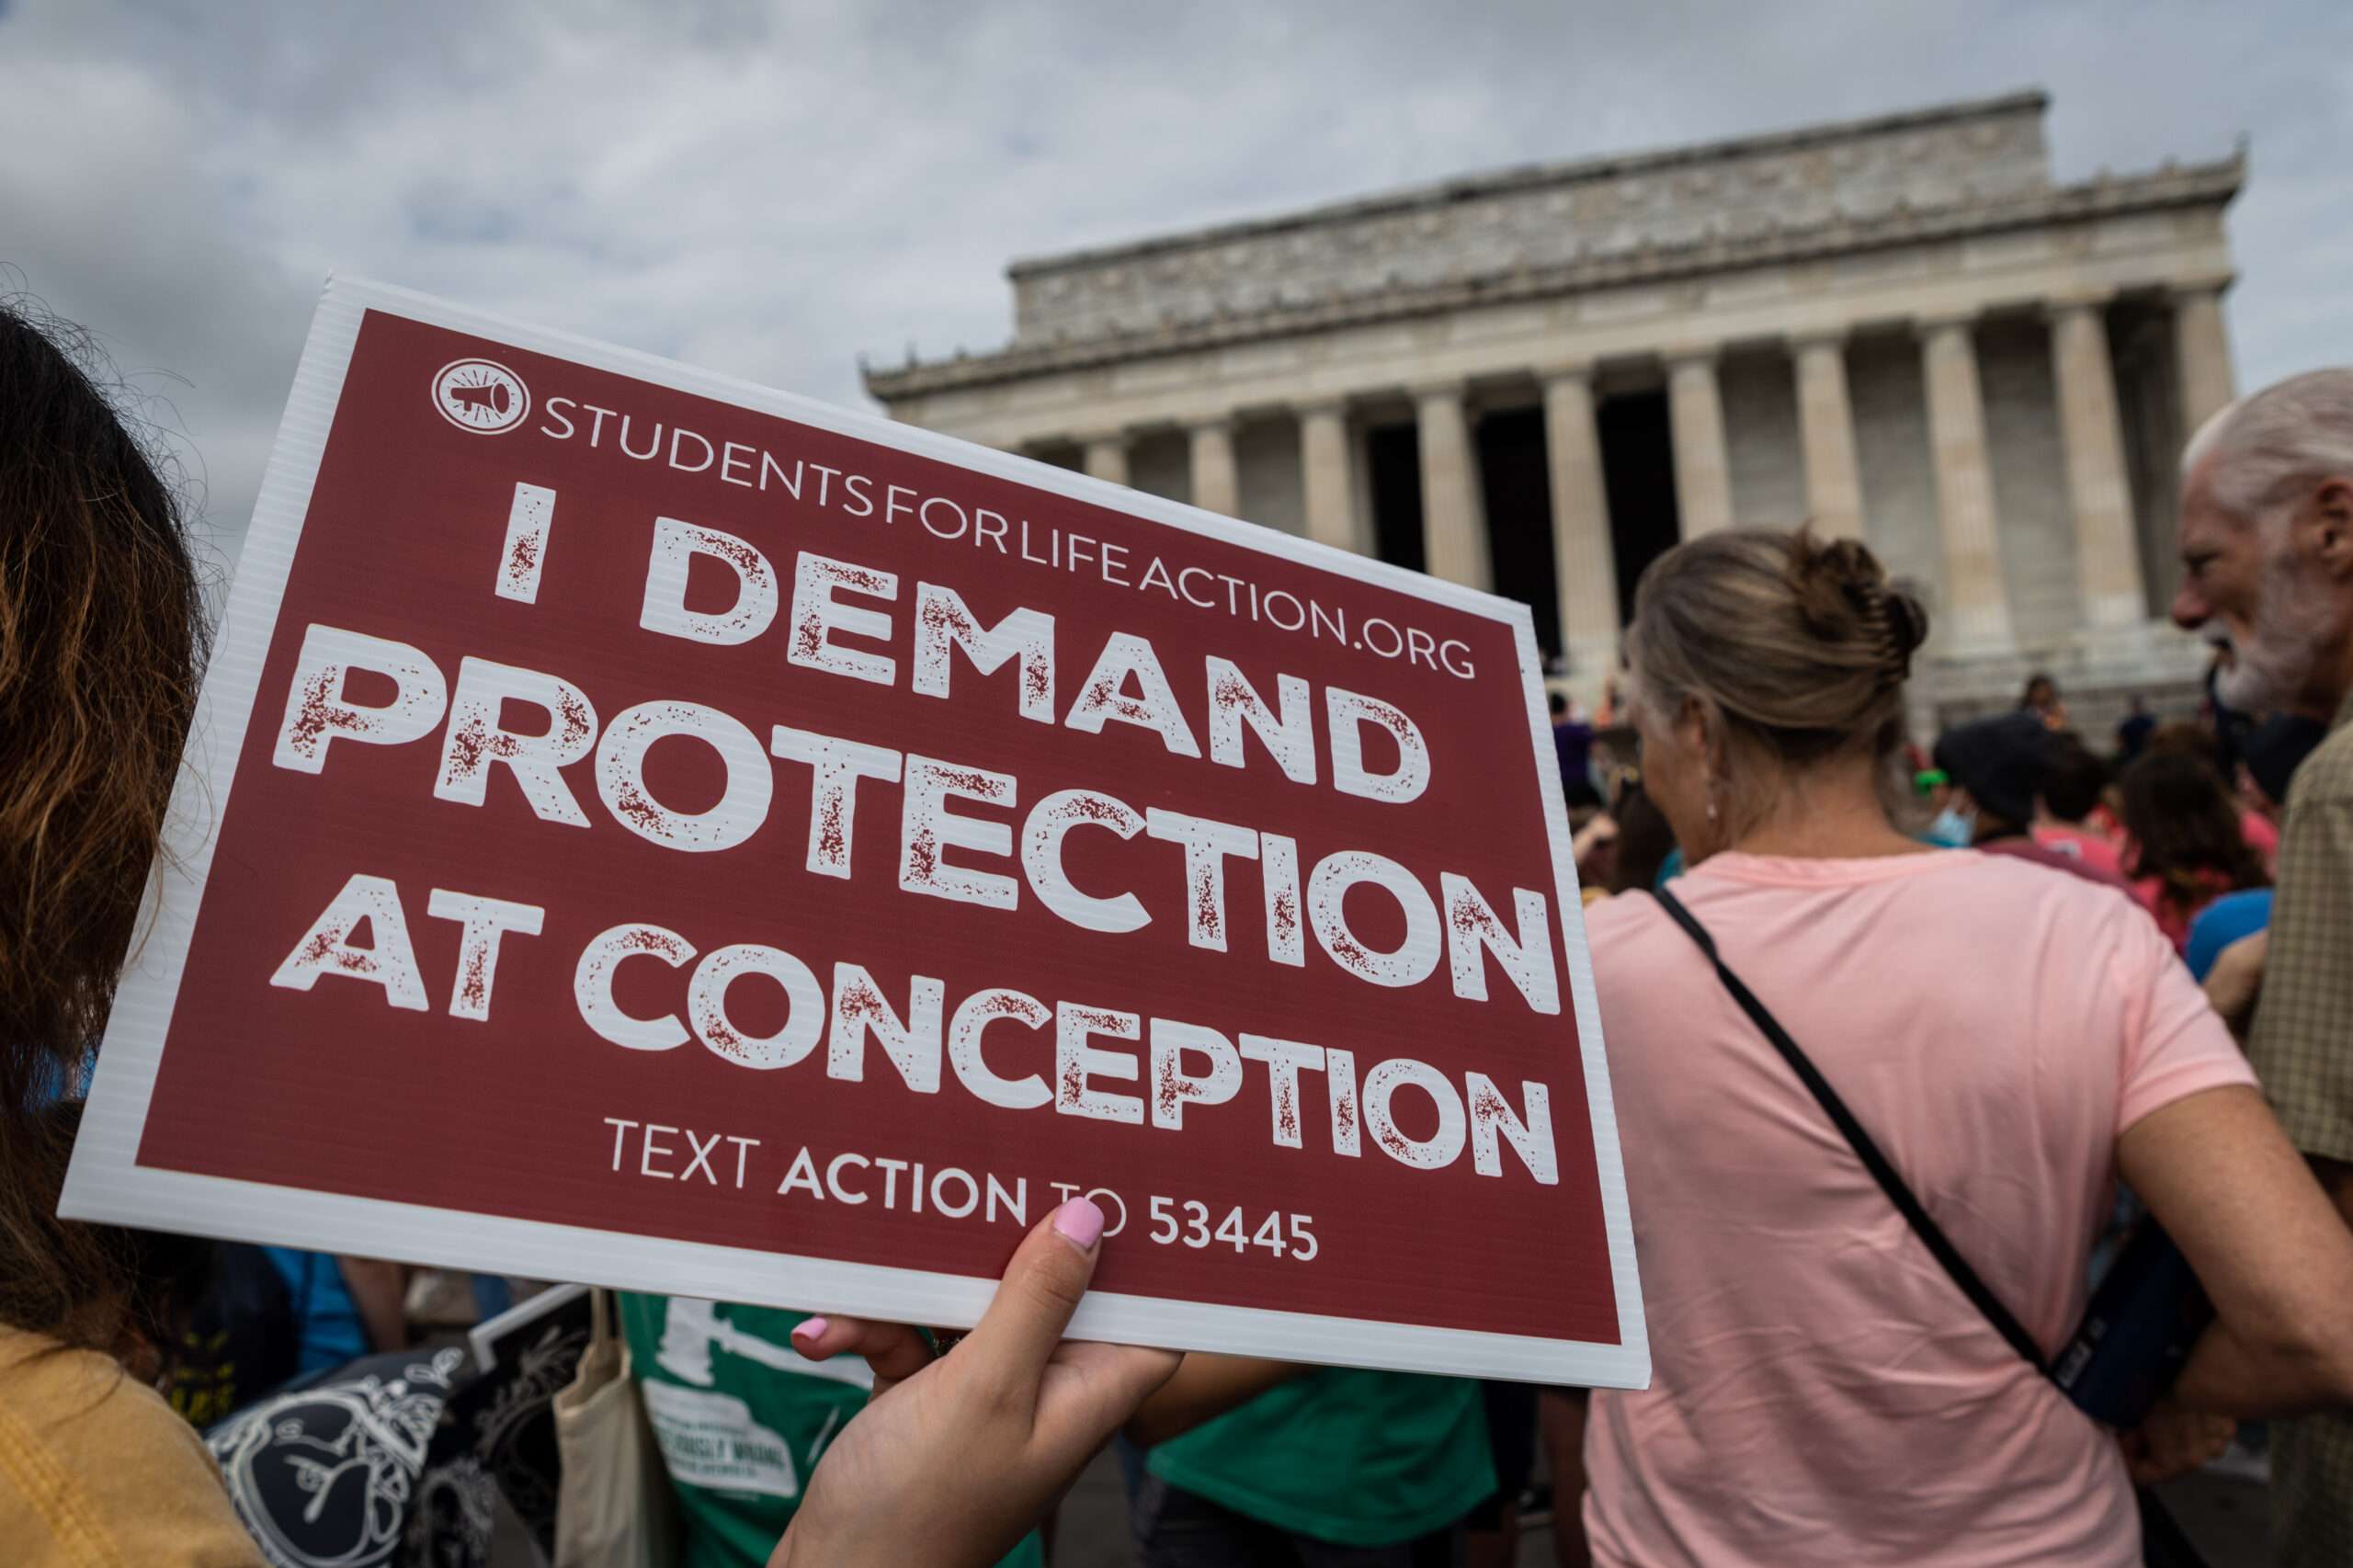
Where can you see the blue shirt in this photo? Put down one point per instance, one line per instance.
(331, 1330)
(2222, 922)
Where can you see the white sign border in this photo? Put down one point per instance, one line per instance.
(107, 1183)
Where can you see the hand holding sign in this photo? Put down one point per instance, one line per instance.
(782, 833)
(957, 1458)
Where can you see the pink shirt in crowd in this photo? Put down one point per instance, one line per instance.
(2034, 852)
(1822, 1391)
(2262, 836)
(2093, 849)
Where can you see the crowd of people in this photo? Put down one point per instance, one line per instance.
(1910, 1017)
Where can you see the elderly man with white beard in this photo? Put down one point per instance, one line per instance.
(2267, 550)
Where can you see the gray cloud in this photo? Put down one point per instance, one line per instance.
(772, 190)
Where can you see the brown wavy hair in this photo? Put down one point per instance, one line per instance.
(102, 639)
(2185, 831)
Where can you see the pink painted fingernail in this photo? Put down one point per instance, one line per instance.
(810, 1329)
(1079, 1222)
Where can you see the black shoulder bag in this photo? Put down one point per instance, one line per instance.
(2163, 1544)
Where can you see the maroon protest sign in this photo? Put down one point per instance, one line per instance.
(655, 832)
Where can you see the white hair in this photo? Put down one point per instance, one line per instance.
(2270, 446)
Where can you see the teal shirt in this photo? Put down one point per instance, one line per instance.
(1353, 1458)
(742, 1420)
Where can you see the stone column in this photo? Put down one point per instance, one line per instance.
(1323, 466)
(1979, 609)
(2107, 551)
(1834, 484)
(1585, 569)
(2203, 352)
(1694, 410)
(1454, 535)
(1217, 480)
(1107, 455)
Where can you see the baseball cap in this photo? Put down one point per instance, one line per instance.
(2000, 761)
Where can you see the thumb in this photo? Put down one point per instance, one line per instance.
(1041, 1288)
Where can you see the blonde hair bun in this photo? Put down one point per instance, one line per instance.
(1801, 642)
(1843, 591)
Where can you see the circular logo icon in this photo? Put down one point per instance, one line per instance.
(481, 395)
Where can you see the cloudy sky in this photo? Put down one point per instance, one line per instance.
(772, 190)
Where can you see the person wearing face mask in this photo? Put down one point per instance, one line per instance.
(2267, 551)
(1999, 768)
(1823, 1390)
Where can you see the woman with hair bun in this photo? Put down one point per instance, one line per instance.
(1823, 1390)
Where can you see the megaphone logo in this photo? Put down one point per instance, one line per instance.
(481, 395)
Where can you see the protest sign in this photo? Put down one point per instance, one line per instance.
(648, 830)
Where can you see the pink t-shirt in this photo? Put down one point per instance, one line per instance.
(1822, 1391)
(2093, 849)
(2262, 836)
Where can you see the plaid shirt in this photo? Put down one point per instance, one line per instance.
(2302, 1049)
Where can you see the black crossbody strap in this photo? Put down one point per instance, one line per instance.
(1926, 1229)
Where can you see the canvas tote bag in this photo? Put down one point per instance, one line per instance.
(613, 1504)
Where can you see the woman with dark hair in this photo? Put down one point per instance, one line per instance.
(102, 637)
(2186, 847)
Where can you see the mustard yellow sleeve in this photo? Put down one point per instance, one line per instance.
(97, 1471)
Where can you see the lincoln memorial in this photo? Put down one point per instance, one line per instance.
(1535, 379)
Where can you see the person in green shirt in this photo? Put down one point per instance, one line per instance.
(742, 1420)
(1335, 1468)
